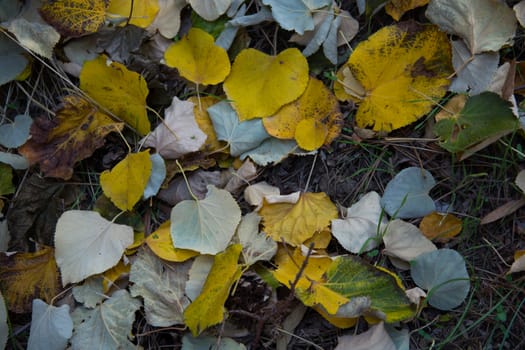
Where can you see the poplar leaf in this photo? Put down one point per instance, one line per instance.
(12, 60)
(126, 182)
(51, 326)
(210, 10)
(296, 14)
(15, 134)
(167, 21)
(142, 13)
(397, 8)
(161, 245)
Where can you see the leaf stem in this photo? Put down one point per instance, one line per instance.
(186, 181)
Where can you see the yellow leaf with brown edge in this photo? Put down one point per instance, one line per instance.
(212, 144)
(260, 84)
(27, 276)
(125, 183)
(73, 18)
(141, 15)
(404, 70)
(118, 89)
(208, 308)
(319, 107)
(77, 131)
(115, 273)
(295, 223)
(198, 59)
(441, 227)
(161, 245)
(397, 8)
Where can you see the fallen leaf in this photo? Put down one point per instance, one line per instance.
(161, 245)
(443, 274)
(6, 180)
(37, 37)
(74, 18)
(488, 26)
(520, 180)
(210, 10)
(158, 174)
(77, 131)
(199, 271)
(502, 211)
(318, 106)
(254, 194)
(363, 223)
(375, 338)
(15, 134)
(118, 271)
(51, 326)
(139, 13)
(91, 292)
(241, 136)
(208, 309)
(260, 84)
(255, 246)
(178, 134)
(296, 15)
(161, 285)
(519, 262)
(406, 195)
(198, 59)
(87, 244)
(167, 20)
(108, 325)
(272, 150)
(397, 8)
(118, 89)
(406, 242)
(440, 226)
(126, 182)
(200, 110)
(404, 70)
(209, 342)
(295, 223)
(4, 328)
(12, 60)
(519, 9)
(207, 225)
(14, 160)
(27, 276)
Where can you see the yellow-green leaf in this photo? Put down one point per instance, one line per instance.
(142, 14)
(125, 183)
(260, 84)
(118, 89)
(198, 59)
(208, 308)
(403, 69)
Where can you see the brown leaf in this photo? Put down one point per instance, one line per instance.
(502, 211)
(27, 276)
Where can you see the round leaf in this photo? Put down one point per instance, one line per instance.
(444, 275)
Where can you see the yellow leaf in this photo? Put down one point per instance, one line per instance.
(161, 244)
(403, 69)
(297, 222)
(138, 239)
(27, 276)
(77, 131)
(208, 308)
(441, 227)
(397, 8)
(321, 239)
(339, 322)
(205, 124)
(198, 59)
(74, 18)
(318, 105)
(125, 183)
(113, 274)
(118, 89)
(144, 11)
(260, 84)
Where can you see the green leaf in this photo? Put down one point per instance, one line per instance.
(443, 273)
(6, 180)
(484, 116)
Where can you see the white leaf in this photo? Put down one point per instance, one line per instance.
(415, 294)
(87, 244)
(51, 326)
(37, 37)
(90, 293)
(242, 176)
(255, 246)
(520, 180)
(227, 36)
(167, 21)
(406, 195)
(270, 151)
(161, 284)
(17, 162)
(519, 9)
(295, 14)
(474, 73)
(158, 174)
(361, 226)
(375, 338)
(108, 325)
(405, 241)
(207, 225)
(518, 265)
(488, 26)
(198, 274)
(4, 328)
(210, 10)
(263, 15)
(443, 273)
(178, 134)
(254, 194)
(241, 136)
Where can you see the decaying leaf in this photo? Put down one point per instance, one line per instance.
(118, 89)
(260, 84)
(403, 69)
(208, 308)
(77, 131)
(37, 37)
(27, 276)
(75, 17)
(397, 8)
(87, 244)
(295, 223)
(126, 182)
(440, 226)
(198, 59)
